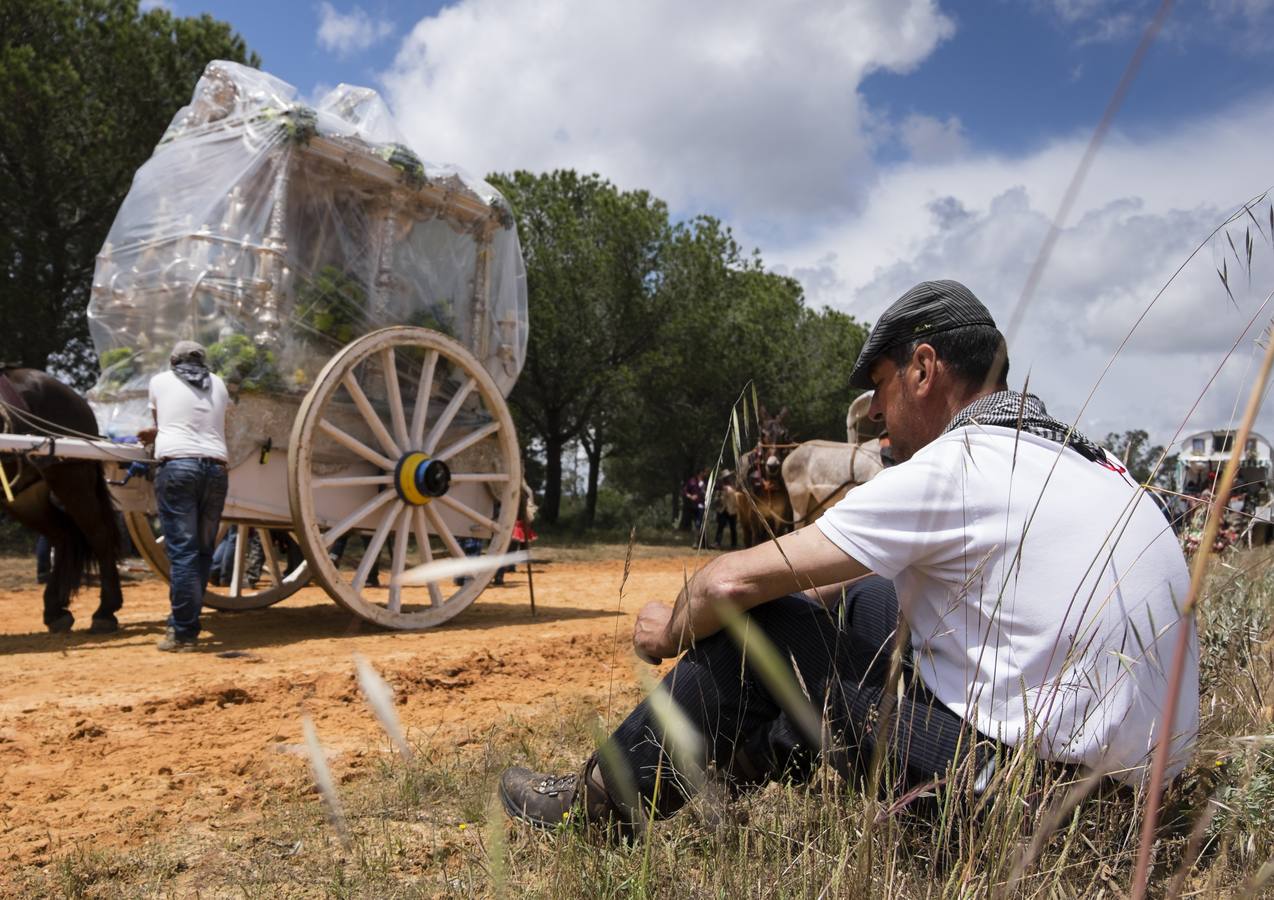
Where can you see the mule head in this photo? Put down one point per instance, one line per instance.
(774, 444)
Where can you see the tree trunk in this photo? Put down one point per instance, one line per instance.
(683, 524)
(552, 480)
(593, 447)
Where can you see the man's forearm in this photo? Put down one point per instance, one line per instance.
(694, 615)
(739, 581)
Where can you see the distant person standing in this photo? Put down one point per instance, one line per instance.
(189, 407)
(727, 510)
(693, 495)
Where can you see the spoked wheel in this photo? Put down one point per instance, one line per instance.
(405, 438)
(248, 588)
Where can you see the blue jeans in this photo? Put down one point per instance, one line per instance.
(190, 494)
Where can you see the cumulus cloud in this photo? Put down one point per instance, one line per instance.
(746, 108)
(1147, 206)
(351, 32)
(753, 111)
(929, 139)
(1233, 24)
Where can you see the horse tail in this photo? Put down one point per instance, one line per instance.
(76, 558)
(110, 527)
(72, 558)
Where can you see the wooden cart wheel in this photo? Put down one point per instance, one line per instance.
(407, 423)
(277, 580)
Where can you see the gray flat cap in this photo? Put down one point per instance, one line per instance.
(930, 307)
(184, 350)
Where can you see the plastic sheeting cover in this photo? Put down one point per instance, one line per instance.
(275, 234)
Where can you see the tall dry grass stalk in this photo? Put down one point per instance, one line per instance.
(380, 697)
(324, 782)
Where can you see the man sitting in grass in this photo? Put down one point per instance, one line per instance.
(1039, 585)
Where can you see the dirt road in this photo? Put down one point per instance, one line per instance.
(107, 742)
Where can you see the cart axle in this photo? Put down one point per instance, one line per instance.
(418, 478)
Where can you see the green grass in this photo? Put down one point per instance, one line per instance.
(429, 827)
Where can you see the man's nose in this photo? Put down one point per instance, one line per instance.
(876, 412)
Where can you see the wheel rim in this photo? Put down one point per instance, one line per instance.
(410, 424)
(275, 582)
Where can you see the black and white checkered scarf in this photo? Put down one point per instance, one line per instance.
(1026, 412)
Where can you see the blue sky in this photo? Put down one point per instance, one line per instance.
(864, 146)
(1018, 73)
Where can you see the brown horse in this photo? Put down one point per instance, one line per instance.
(66, 500)
(764, 506)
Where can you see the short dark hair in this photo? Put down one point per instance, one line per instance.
(969, 351)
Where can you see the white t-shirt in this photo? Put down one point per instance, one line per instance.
(191, 422)
(1024, 567)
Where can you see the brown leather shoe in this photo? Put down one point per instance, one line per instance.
(548, 801)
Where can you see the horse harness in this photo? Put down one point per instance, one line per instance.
(849, 482)
(756, 473)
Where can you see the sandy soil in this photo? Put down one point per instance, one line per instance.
(105, 741)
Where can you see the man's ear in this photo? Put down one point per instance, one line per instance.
(925, 366)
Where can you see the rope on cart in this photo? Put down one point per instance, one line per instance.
(31, 420)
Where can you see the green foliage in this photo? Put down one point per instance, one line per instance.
(332, 303)
(87, 88)
(301, 124)
(1245, 806)
(438, 317)
(593, 275)
(732, 324)
(241, 362)
(1141, 458)
(119, 365)
(406, 162)
(830, 342)
(645, 333)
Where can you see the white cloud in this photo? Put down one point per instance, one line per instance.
(1246, 9)
(351, 32)
(928, 139)
(1099, 21)
(166, 5)
(753, 111)
(1077, 10)
(1233, 24)
(747, 108)
(1147, 204)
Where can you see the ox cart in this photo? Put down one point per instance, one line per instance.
(368, 312)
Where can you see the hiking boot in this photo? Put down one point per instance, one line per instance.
(170, 643)
(547, 801)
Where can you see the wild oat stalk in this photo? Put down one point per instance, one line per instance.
(323, 781)
(619, 607)
(497, 848)
(380, 697)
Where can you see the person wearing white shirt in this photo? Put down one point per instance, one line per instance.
(188, 404)
(1037, 585)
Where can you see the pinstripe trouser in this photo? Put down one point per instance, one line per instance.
(842, 659)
